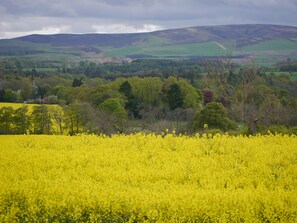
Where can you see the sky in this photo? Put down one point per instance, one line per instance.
(24, 17)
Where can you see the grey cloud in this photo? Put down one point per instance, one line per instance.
(82, 16)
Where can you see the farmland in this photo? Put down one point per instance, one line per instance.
(200, 49)
(273, 44)
(27, 111)
(148, 178)
(20, 105)
(195, 124)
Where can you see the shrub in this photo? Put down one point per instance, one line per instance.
(214, 115)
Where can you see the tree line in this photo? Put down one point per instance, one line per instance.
(227, 97)
(108, 107)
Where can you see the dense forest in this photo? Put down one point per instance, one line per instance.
(150, 95)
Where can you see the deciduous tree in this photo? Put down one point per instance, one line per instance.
(214, 115)
(41, 120)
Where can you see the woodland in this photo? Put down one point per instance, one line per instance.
(187, 96)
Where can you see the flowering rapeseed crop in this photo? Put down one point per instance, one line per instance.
(148, 178)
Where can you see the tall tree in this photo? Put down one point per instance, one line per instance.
(220, 71)
(59, 117)
(126, 89)
(6, 119)
(73, 116)
(133, 103)
(175, 98)
(77, 82)
(21, 120)
(247, 97)
(9, 96)
(116, 107)
(41, 119)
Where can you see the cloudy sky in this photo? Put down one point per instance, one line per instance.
(23, 17)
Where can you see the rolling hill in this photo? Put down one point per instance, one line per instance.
(264, 42)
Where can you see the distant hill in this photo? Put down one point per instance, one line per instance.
(258, 41)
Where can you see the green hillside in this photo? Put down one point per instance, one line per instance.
(272, 45)
(271, 51)
(198, 49)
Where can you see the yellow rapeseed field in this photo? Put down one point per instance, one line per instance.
(16, 105)
(54, 128)
(148, 178)
(19, 105)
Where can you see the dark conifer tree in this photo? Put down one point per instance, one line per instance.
(174, 97)
(133, 104)
(126, 89)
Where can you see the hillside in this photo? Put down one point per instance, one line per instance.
(259, 41)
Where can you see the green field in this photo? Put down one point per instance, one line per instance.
(271, 51)
(199, 49)
(272, 45)
(265, 52)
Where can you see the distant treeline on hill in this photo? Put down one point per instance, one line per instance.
(290, 66)
(187, 68)
(190, 69)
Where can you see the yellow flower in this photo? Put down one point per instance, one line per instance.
(148, 178)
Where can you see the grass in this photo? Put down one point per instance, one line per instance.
(199, 49)
(151, 40)
(272, 45)
(271, 51)
(265, 53)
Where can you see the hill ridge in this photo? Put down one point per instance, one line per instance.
(179, 35)
(178, 42)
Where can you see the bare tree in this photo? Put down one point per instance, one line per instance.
(59, 117)
(219, 71)
(244, 106)
(245, 87)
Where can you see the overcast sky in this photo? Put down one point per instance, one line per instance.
(23, 17)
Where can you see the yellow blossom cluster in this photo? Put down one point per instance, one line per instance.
(148, 178)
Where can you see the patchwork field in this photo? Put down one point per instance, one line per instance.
(148, 178)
